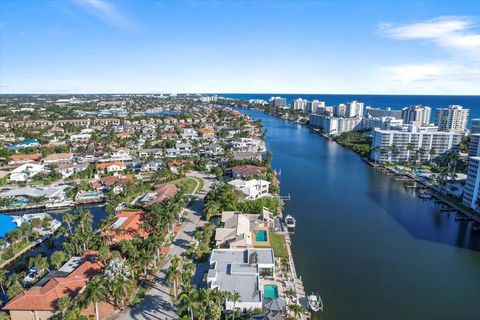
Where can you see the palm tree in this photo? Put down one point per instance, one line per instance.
(174, 274)
(64, 304)
(57, 258)
(188, 299)
(69, 218)
(95, 291)
(3, 279)
(297, 310)
(235, 297)
(410, 148)
(40, 262)
(120, 290)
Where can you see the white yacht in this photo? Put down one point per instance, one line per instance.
(290, 222)
(315, 302)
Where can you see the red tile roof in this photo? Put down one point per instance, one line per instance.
(25, 157)
(45, 297)
(248, 170)
(105, 165)
(131, 225)
(162, 193)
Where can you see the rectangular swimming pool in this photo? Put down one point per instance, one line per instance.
(270, 291)
(261, 236)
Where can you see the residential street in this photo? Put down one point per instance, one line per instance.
(157, 304)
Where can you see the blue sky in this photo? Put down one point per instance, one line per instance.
(100, 46)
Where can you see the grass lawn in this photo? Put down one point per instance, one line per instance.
(277, 240)
(188, 182)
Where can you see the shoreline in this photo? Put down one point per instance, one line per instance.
(435, 192)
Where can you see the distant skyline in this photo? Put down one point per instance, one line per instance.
(336, 47)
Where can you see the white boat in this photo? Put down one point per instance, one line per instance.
(59, 205)
(290, 222)
(315, 302)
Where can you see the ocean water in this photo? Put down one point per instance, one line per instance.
(377, 101)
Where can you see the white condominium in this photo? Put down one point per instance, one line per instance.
(453, 118)
(354, 109)
(277, 102)
(470, 192)
(416, 144)
(418, 113)
(312, 106)
(335, 125)
(300, 104)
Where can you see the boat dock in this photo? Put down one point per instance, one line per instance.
(445, 205)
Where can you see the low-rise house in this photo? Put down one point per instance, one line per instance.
(66, 170)
(58, 158)
(160, 194)
(236, 231)
(130, 224)
(206, 132)
(151, 166)
(80, 138)
(26, 172)
(24, 158)
(237, 155)
(248, 144)
(115, 183)
(252, 189)
(111, 167)
(246, 171)
(189, 134)
(52, 194)
(39, 302)
(242, 271)
(212, 149)
(156, 153)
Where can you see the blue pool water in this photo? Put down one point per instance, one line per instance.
(6, 225)
(270, 291)
(89, 195)
(261, 236)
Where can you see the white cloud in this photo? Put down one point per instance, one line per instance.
(458, 32)
(414, 72)
(106, 12)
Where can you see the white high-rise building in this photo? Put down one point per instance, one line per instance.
(419, 114)
(300, 104)
(334, 125)
(453, 118)
(277, 102)
(472, 185)
(354, 109)
(340, 110)
(312, 106)
(416, 144)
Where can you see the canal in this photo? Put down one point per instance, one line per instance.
(365, 242)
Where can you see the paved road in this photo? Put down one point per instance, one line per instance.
(157, 303)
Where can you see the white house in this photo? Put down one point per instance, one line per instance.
(25, 172)
(80, 138)
(241, 271)
(252, 189)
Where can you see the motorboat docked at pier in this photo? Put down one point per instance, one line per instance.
(315, 302)
(290, 222)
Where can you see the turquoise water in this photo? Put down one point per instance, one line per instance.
(261, 236)
(89, 195)
(6, 225)
(270, 291)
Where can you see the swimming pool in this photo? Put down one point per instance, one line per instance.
(261, 236)
(92, 194)
(6, 225)
(270, 291)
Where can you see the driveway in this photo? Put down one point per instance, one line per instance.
(157, 303)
